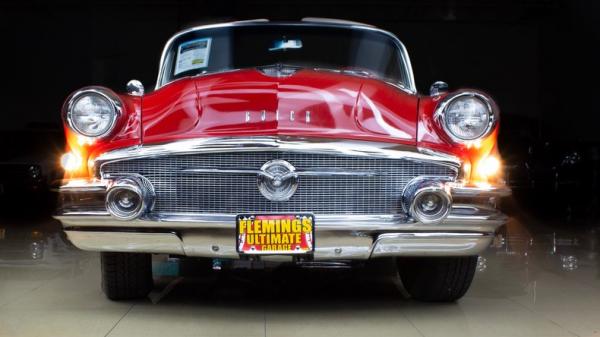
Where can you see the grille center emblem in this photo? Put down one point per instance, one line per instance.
(277, 180)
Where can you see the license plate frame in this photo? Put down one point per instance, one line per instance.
(246, 234)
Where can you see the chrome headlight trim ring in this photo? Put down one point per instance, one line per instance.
(107, 94)
(440, 115)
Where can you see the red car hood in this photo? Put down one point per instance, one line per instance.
(307, 103)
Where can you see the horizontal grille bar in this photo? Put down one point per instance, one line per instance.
(191, 183)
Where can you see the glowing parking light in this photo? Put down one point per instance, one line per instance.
(488, 167)
(71, 161)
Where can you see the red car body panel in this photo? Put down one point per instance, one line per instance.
(309, 103)
(247, 103)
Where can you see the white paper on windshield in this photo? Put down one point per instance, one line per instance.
(192, 55)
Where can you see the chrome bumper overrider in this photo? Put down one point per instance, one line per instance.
(467, 230)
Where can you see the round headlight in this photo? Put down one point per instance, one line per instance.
(467, 116)
(92, 113)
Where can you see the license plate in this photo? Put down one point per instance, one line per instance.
(275, 233)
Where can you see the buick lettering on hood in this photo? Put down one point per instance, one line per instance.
(303, 142)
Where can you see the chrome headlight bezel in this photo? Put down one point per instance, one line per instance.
(440, 115)
(109, 96)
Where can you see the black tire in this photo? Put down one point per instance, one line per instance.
(437, 279)
(126, 275)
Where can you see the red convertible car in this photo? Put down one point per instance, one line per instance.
(304, 142)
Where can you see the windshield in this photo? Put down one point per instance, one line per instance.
(361, 51)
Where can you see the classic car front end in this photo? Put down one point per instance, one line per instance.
(304, 142)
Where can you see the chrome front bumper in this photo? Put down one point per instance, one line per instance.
(467, 230)
(329, 246)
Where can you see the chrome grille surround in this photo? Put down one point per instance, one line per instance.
(218, 176)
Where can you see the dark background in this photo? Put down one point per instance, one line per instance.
(538, 59)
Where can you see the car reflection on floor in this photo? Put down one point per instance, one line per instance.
(535, 279)
(39, 244)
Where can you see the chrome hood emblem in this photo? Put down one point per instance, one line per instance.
(277, 180)
(292, 116)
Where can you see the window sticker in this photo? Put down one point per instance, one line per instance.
(192, 55)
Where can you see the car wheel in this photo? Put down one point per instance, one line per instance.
(437, 279)
(126, 275)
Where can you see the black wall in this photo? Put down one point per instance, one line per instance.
(539, 59)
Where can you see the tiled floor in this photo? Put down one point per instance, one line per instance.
(546, 284)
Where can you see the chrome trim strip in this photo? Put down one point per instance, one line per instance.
(313, 19)
(329, 245)
(410, 86)
(461, 218)
(159, 243)
(279, 143)
(82, 186)
(480, 192)
(82, 214)
(430, 235)
(325, 221)
(306, 172)
(431, 244)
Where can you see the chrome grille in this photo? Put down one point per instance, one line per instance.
(234, 193)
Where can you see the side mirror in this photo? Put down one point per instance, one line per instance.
(437, 88)
(135, 88)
